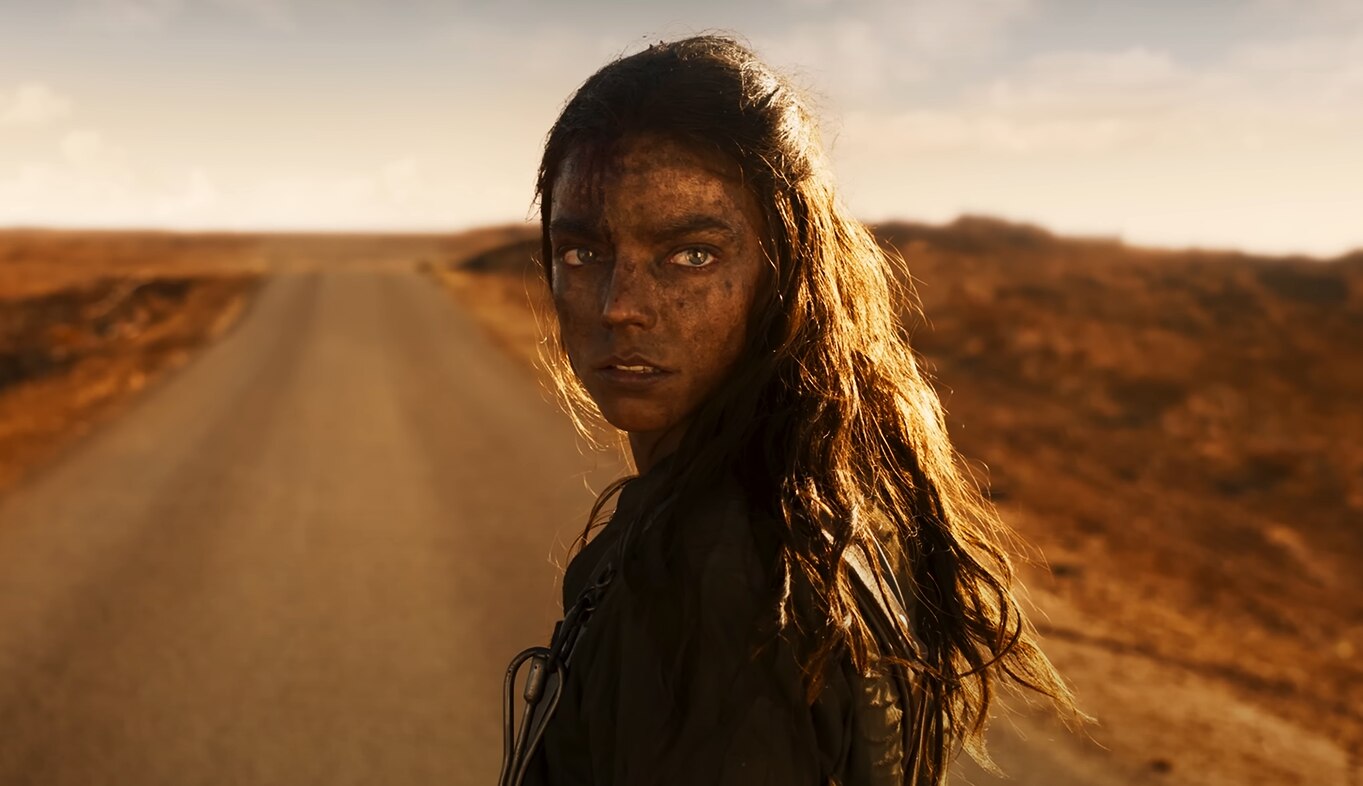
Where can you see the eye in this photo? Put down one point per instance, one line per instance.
(577, 256)
(692, 257)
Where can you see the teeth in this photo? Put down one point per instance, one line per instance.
(637, 369)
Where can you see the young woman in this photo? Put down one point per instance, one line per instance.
(800, 587)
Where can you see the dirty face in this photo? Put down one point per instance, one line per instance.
(656, 264)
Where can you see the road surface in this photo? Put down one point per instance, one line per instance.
(306, 557)
(303, 559)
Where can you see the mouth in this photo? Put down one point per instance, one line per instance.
(631, 371)
(631, 364)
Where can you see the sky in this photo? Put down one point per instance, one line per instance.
(1209, 123)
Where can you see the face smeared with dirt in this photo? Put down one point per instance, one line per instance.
(657, 259)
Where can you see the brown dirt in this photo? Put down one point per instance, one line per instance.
(504, 293)
(34, 262)
(79, 338)
(89, 318)
(1179, 433)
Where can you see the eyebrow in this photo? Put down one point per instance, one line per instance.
(574, 226)
(668, 229)
(687, 225)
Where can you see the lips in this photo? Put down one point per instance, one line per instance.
(631, 372)
(632, 364)
(640, 369)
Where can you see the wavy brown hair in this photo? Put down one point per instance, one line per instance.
(828, 418)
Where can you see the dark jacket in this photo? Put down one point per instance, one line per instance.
(719, 703)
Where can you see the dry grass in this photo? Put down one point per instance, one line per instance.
(88, 319)
(1180, 433)
(71, 358)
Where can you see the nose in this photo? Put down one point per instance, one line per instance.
(631, 296)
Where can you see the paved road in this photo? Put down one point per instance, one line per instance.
(303, 559)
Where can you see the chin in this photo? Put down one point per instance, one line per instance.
(636, 416)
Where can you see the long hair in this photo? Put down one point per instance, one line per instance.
(827, 417)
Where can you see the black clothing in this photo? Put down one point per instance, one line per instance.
(737, 714)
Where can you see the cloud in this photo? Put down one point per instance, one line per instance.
(1081, 102)
(155, 15)
(271, 14)
(395, 192)
(862, 48)
(1332, 13)
(33, 103)
(978, 131)
(95, 182)
(129, 15)
(1136, 100)
(1255, 148)
(1064, 80)
(1319, 68)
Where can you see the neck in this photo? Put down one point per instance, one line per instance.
(650, 447)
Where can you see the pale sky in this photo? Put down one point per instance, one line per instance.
(1215, 123)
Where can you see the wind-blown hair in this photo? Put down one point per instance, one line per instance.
(827, 417)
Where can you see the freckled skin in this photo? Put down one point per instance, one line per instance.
(663, 259)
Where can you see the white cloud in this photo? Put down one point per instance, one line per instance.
(394, 193)
(862, 48)
(849, 54)
(1136, 100)
(947, 29)
(1257, 149)
(1333, 13)
(1064, 80)
(1318, 68)
(129, 15)
(934, 131)
(271, 14)
(33, 103)
(96, 183)
(154, 15)
(40, 190)
(549, 60)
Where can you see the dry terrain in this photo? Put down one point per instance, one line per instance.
(304, 557)
(1180, 435)
(88, 319)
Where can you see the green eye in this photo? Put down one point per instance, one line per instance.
(693, 257)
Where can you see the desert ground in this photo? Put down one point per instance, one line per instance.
(261, 498)
(87, 319)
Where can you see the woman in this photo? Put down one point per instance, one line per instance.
(800, 586)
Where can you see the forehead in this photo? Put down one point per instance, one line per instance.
(648, 178)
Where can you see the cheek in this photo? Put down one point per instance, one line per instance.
(573, 303)
(571, 333)
(718, 322)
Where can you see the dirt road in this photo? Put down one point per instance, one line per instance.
(303, 559)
